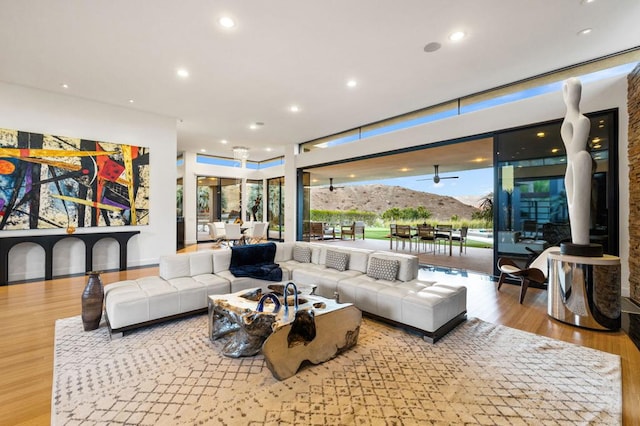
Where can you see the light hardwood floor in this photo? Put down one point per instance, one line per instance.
(28, 313)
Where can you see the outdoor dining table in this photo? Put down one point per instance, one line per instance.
(441, 231)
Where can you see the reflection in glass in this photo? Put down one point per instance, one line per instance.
(533, 211)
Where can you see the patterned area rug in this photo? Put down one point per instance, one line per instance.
(479, 373)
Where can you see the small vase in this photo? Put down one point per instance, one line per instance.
(92, 299)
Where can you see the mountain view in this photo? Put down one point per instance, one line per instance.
(380, 198)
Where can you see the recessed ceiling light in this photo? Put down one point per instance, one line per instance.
(203, 150)
(64, 85)
(131, 101)
(432, 47)
(252, 126)
(457, 36)
(584, 32)
(404, 169)
(540, 134)
(587, 1)
(183, 73)
(224, 141)
(268, 149)
(294, 108)
(352, 83)
(554, 150)
(227, 22)
(352, 176)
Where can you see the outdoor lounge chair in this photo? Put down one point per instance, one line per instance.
(353, 230)
(322, 231)
(347, 231)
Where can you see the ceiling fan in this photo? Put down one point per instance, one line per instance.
(331, 187)
(437, 177)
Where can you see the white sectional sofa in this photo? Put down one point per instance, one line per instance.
(186, 280)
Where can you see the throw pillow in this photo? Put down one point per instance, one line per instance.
(383, 269)
(337, 260)
(302, 254)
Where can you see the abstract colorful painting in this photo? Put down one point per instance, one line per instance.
(51, 181)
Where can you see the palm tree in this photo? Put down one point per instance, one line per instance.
(486, 209)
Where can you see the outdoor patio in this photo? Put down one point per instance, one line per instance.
(475, 259)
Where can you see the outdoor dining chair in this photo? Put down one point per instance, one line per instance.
(462, 238)
(403, 233)
(443, 235)
(392, 235)
(427, 236)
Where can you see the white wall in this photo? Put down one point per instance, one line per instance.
(596, 96)
(38, 111)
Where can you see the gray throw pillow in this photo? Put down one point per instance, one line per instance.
(337, 260)
(383, 269)
(302, 254)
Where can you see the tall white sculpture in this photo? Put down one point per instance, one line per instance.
(575, 134)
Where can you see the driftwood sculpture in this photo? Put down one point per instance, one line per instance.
(315, 330)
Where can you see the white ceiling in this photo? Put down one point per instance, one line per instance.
(285, 52)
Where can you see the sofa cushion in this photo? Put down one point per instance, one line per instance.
(284, 251)
(337, 260)
(302, 254)
(359, 259)
(383, 269)
(221, 260)
(408, 264)
(201, 263)
(175, 266)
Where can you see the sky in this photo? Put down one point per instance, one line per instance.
(469, 183)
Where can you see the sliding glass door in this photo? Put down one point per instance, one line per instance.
(218, 199)
(275, 208)
(532, 211)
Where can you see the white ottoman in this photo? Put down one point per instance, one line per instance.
(435, 309)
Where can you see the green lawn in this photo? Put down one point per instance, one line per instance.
(382, 233)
